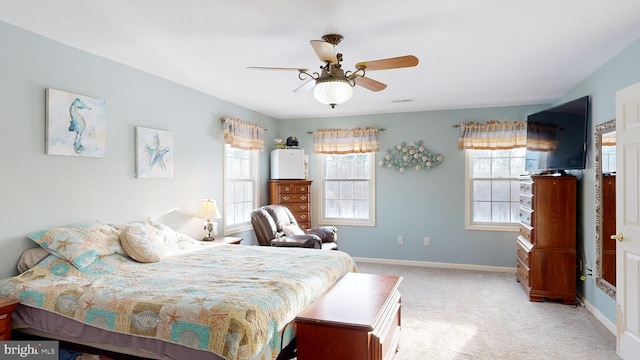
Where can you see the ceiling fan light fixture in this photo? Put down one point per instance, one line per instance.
(333, 90)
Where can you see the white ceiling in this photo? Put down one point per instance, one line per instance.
(472, 53)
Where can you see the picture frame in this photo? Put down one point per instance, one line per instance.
(75, 124)
(154, 153)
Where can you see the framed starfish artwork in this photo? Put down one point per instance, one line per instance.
(154, 153)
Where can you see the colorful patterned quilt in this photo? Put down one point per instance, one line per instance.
(228, 299)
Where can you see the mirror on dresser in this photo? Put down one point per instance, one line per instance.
(605, 168)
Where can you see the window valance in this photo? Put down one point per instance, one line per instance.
(493, 135)
(243, 135)
(346, 141)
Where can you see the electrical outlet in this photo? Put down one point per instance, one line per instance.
(400, 240)
(427, 241)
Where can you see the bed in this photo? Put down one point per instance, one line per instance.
(141, 288)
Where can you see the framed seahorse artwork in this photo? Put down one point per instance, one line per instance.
(154, 153)
(76, 124)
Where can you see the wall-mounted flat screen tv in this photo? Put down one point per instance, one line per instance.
(557, 137)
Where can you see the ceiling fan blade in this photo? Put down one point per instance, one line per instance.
(369, 83)
(310, 84)
(276, 68)
(325, 51)
(391, 63)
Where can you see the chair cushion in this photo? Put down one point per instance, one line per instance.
(292, 229)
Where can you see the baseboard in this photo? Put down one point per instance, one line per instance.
(436, 264)
(598, 315)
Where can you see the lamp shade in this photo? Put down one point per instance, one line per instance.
(333, 90)
(209, 210)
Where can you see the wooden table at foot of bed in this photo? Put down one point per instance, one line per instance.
(358, 318)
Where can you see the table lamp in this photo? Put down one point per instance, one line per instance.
(209, 210)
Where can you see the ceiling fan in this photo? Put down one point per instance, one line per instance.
(333, 85)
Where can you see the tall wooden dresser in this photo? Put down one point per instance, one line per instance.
(546, 243)
(294, 194)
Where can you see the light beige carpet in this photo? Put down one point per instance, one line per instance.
(462, 314)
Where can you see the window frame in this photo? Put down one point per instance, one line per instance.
(469, 224)
(324, 220)
(254, 178)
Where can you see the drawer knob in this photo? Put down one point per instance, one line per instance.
(285, 197)
(526, 258)
(303, 207)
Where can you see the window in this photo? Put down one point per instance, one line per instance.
(347, 195)
(240, 188)
(492, 191)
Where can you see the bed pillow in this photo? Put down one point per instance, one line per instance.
(30, 258)
(292, 229)
(81, 243)
(143, 242)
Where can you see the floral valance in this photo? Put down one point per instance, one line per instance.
(243, 135)
(493, 135)
(346, 141)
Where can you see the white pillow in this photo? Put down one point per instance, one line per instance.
(292, 229)
(143, 242)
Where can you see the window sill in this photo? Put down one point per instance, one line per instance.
(507, 228)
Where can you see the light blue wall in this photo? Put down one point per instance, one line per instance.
(416, 204)
(618, 73)
(39, 191)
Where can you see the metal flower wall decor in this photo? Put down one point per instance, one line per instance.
(412, 155)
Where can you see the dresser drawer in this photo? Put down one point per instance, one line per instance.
(293, 198)
(526, 187)
(293, 188)
(522, 254)
(523, 274)
(526, 216)
(302, 216)
(526, 200)
(297, 208)
(526, 233)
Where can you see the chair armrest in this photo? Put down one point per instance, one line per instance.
(325, 233)
(306, 241)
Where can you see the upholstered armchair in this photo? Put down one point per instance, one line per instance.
(275, 225)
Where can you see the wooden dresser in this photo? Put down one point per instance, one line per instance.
(546, 244)
(294, 194)
(358, 318)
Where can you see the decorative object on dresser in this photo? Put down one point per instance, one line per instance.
(296, 196)
(546, 244)
(275, 225)
(209, 210)
(287, 164)
(7, 306)
(358, 318)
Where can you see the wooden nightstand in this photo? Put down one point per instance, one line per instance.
(227, 240)
(6, 309)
